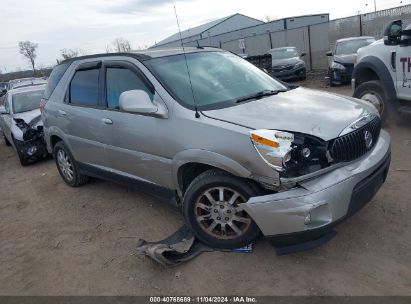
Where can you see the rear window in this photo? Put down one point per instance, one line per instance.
(54, 79)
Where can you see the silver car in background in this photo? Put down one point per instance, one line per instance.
(21, 125)
(240, 152)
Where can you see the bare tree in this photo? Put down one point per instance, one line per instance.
(122, 45)
(269, 18)
(109, 49)
(28, 49)
(141, 47)
(71, 53)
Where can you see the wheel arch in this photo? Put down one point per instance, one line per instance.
(188, 164)
(372, 68)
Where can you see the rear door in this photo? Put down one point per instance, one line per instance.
(81, 117)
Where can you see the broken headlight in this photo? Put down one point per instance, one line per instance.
(28, 132)
(291, 154)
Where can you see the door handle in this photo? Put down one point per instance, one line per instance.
(107, 121)
(62, 113)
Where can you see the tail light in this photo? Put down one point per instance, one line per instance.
(42, 104)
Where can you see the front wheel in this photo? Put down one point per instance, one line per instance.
(373, 92)
(8, 144)
(213, 209)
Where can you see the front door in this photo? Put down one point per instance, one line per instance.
(134, 142)
(404, 72)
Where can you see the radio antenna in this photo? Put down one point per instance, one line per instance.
(197, 115)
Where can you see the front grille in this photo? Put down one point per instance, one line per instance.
(354, 144)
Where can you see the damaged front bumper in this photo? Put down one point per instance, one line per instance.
(313, 207)
(32, 150)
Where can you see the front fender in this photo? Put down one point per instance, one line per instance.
(207, 158)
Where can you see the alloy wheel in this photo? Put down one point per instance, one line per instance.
(220, 214)
(65, 165)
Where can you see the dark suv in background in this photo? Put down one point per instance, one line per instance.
(343, 58)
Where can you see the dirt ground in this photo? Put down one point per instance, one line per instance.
(56, 240)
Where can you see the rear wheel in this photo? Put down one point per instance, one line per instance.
(373, 92)
(213, 208)
(67, 166)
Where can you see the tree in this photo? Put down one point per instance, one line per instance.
(70, 53)
(269, 18)
(122, 45)
(28, 49)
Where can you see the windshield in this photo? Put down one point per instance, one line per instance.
(27, 101)
(283, 53)
(218, 79)
(351, 46)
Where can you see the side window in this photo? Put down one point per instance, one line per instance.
(119, 80)
(84, 88)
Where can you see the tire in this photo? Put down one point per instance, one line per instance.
(8, 144)
(23, 160)
(212, 220)
(373, 91)
(67, 166)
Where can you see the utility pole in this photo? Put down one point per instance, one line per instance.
(375, 5)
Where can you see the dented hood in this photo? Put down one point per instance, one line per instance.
(32, 118)
(317, 113)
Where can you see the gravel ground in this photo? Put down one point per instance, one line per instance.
(56, 240)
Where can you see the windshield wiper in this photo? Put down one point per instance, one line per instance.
(259, 95)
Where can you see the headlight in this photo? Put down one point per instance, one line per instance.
(273, 146)
(291, 154)
(337, 66)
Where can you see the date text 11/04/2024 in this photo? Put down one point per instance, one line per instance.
(205, 299)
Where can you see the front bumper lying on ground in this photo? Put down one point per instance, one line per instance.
(313, 207)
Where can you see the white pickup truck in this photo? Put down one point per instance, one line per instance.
(382, 74)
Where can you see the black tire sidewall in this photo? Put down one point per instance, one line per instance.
(211, 179)
(76, 175)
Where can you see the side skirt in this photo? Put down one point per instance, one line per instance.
(166, 195)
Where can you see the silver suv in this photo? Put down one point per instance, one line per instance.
(239, 151)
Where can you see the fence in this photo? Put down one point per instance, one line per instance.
(315, 40)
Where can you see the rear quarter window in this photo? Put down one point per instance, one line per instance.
(54, 79)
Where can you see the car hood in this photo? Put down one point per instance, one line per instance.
(345, 59)
(33, 118)
(301, 110)
(287, 61)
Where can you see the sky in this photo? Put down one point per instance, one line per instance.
(91, 25)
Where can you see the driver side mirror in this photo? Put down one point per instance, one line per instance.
(329, 53)
(3, 110)
(3, 92)
(392, 34)
(303, 54)
(137, 101)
